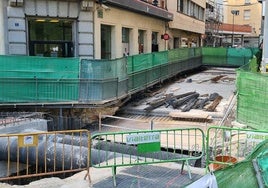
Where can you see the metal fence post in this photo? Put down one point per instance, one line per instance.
(152, 124)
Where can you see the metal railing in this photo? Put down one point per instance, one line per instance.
(226, 146)
(117, 149)
(44, 153)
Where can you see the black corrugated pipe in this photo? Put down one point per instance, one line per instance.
(53, 154)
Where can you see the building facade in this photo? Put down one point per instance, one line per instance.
(188, 25)
(244, 12)
(98, 29)
(47, 28)
(127, 27)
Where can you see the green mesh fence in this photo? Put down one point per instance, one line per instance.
(160, 58)
(103, 69)
(262, 162)
(241, 174)
(63, 79)
(38, 67)
(214, 56)
(252, 103)
(180, 54)
(147, 69)
(38, 79)
(235, 57)
(140, 62)
(238, 56)
(103, 79)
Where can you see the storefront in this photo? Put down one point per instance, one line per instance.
(51, 28)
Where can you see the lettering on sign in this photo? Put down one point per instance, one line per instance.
(139, 138)
(256, 137)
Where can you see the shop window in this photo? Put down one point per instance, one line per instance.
(50, 38)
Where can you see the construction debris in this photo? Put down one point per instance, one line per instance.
(187, 101)
(187, 116)
(214, 104)
(168, 99)
(217, 78)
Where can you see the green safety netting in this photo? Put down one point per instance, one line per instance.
(214, 56)
(38, 79)
(103, 69)
(252, 103)
(241, 174)
(38, 67)
(140, 62)
(103, 79)
(180, 54)
(262, 167)
(227, 56)
(160, 58)
(239, 56)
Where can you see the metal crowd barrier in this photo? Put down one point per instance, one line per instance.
(117, 149)
(226, 146)
(44, 153)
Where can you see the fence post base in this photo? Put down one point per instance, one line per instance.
(114, 173)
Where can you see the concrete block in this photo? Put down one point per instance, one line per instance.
(41, 8)
(16, 24)
(85, 38)
(85, 16)
(30, 7)
(73, 10)
(53, 8)
(15, 12)
(85, 26)
(17, 36)
(85, 50)
(63, 9)
(17, 49)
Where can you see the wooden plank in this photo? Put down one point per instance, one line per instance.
(190, 116)
(212, 107)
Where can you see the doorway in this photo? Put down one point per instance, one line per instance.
(105, 42)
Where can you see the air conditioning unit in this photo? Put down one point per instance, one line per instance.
(16, 3)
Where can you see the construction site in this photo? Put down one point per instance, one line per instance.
(196, 99)
(168, 126)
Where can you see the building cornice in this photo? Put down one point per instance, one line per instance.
(142, 8)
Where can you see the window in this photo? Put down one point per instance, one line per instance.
(43, 42)
(154, 42)
(247, 1)
(196, 11)
(190, 8)
(141, 41)
(180, 5)
(201, 13)
(246, 14)
(125, 41)
(106, 42)
(125, 35)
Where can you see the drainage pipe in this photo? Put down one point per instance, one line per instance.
(52, 154)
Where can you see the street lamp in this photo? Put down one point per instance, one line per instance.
(234, 12)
